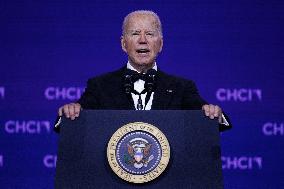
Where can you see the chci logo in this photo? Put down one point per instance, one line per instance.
(138, 152)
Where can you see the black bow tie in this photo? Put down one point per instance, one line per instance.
(132, 76)
(135, 76)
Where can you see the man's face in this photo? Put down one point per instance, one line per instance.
(142, 41)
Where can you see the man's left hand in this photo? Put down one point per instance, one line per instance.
(213, 111)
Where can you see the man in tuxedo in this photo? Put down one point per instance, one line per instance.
(140, 84)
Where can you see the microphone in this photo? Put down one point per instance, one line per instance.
(128, 84)
(150, 83)
(129, 88)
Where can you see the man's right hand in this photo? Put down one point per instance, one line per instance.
(71, 110)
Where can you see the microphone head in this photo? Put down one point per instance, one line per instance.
(128, 84)
(150, 81)
(151, 72)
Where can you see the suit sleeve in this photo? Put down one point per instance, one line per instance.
(193, 101)
(191, 98)
(88, 100)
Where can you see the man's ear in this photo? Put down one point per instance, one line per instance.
(123, 45)
(161, 46)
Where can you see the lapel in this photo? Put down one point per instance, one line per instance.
(164, 92)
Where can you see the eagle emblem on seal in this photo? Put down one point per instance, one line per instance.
(138, 153)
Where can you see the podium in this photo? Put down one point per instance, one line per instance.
(194, 162)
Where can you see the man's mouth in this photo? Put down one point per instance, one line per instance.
(142, 51)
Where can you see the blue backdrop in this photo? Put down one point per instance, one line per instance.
(233, 50)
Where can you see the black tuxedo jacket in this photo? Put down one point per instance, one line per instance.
(172, 93)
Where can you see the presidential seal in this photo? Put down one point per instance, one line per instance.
(138, 152)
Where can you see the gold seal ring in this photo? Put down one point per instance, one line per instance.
(138, 152)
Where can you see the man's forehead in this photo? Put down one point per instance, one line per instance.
(137, 21)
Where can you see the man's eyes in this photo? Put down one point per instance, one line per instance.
(137, 33)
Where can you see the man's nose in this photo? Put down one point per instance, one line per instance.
(142, 39)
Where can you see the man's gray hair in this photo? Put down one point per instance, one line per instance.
(142, 12)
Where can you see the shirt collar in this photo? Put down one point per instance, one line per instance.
(129, 66)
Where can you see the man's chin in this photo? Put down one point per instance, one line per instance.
(144, 65)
